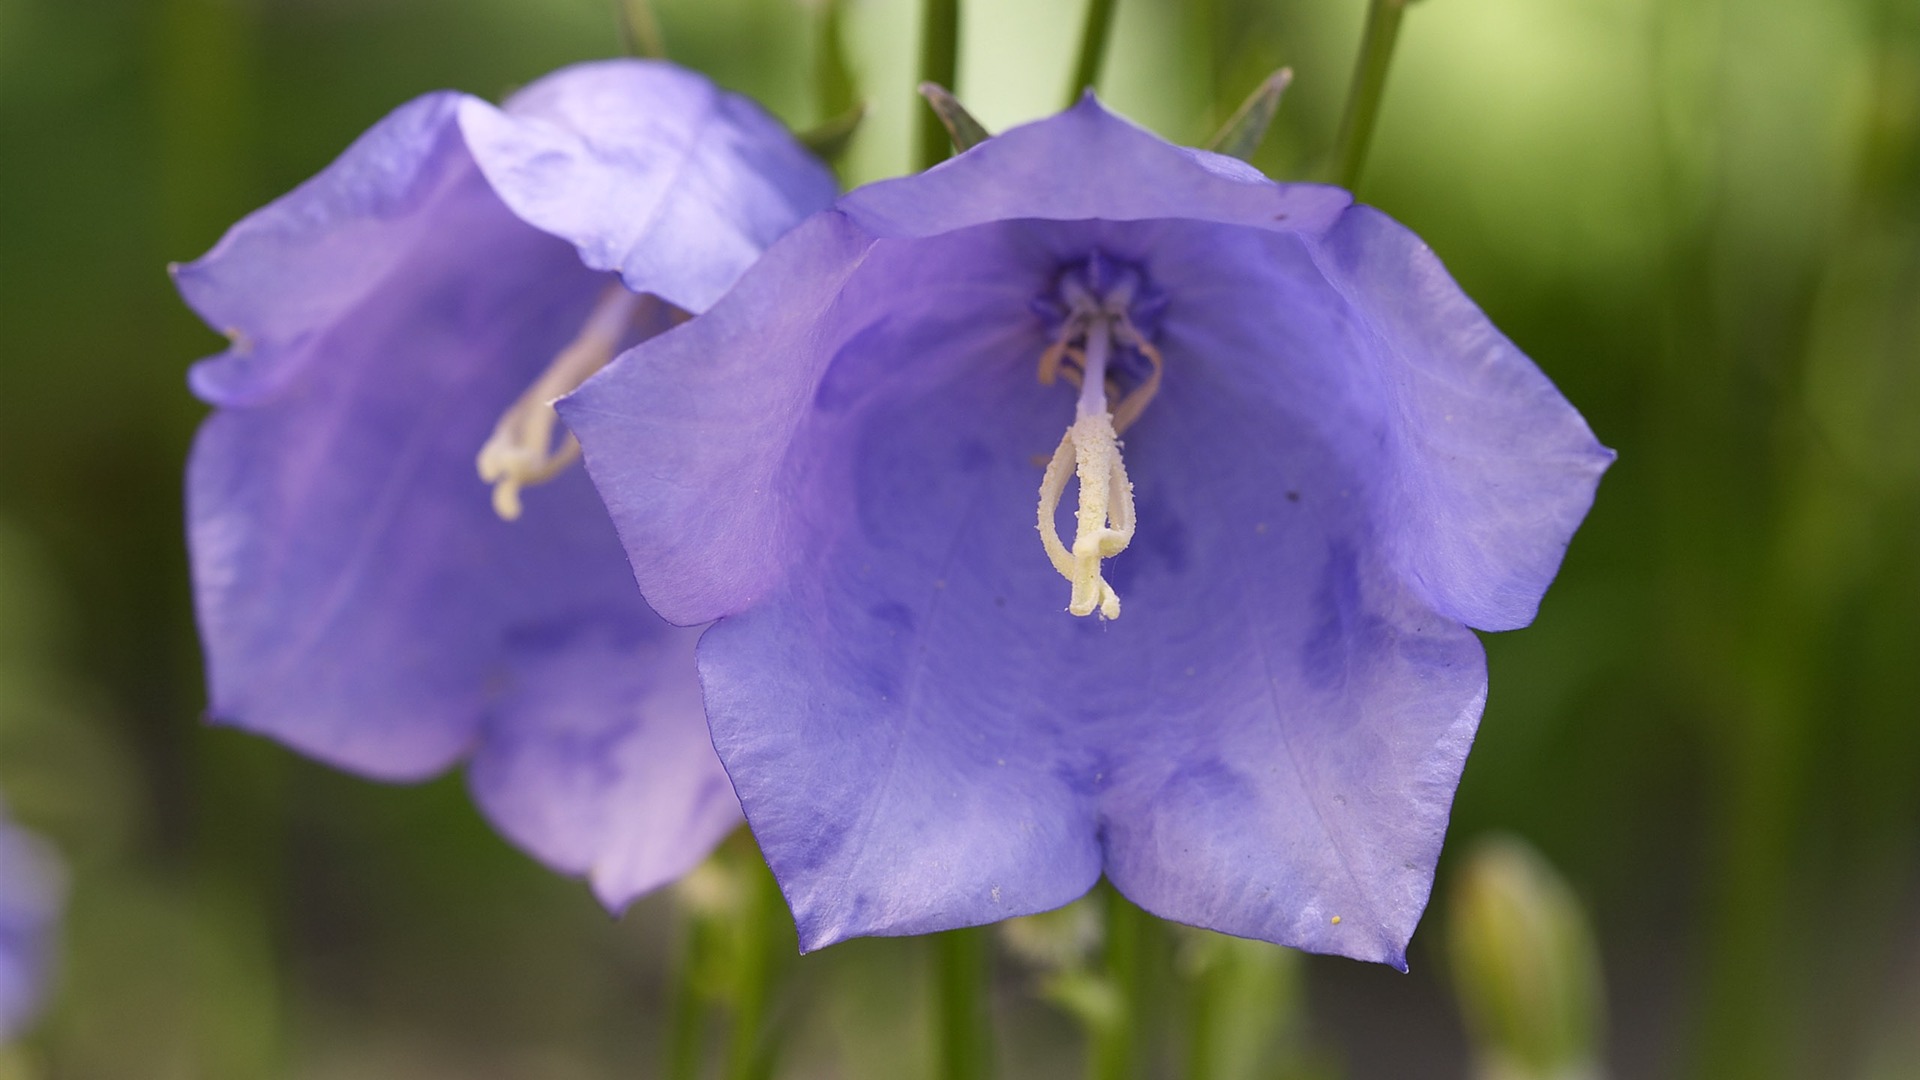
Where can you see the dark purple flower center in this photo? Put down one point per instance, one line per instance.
(1117, 284)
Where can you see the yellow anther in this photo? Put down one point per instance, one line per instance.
(1050, 361)
(1137, 400)
(521, 452)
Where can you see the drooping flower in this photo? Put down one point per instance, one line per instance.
(1333, 466)
(404, 318)
(30, 896)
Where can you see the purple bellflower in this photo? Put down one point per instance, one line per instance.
(402, 321)
(1333, 467)
(30, 895)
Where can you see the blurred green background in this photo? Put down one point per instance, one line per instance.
(1701, 217)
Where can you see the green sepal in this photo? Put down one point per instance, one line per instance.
(1247, 128)
(965, 131)
(830, 138)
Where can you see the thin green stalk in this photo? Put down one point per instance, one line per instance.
(939, 64)
(832, 73)
(963, 1034)
(835, 91)
(750, 1047)
(1116, 1046)
(640, 30)
(1093, 48)
(1369, 86)
(1202, 1022)
(686, 1014)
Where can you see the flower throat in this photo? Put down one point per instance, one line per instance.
(1103, 313)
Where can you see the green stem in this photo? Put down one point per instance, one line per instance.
(640, 30)
(963, 1033)
(1116, 1045)
(833, 75)
(939, 63)
(1093, 48)
(686, 1019)
(750, 1048)
(1369, 86)
(1202, 1024)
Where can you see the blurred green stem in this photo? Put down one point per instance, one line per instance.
(1116, 1045)
(640, 28)
(1202, 1029)
(1369, 86)
(963, 1036)
(751, 1046)
(940, 64)
(1093, 48)
(833, 75)
(686, 1018)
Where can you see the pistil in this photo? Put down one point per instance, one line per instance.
(1083, 352)
(521, 452)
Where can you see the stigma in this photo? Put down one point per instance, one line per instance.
(1101, 348)
(522, 452)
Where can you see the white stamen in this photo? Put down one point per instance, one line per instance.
(520, 453)
(1093, 381)
(1103, 522)
(1090, 451)
(1093, 327)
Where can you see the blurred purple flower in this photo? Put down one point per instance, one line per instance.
(30, 896)
(1334, 466)
(426, 295)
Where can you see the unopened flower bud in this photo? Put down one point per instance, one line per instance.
(1525, 967)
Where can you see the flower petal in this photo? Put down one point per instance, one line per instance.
(30, 899)
(838, 462)
(295, 268)
(1081, 164)
(688, 465)
(940, 782)
(352, 580)
(920, 736)
(358, 597)
(601, 762)
(649, 170)
(1495, 468)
